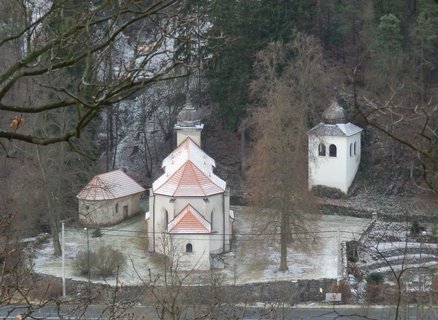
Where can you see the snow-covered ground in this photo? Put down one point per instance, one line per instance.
(255, 257)
(390, 248)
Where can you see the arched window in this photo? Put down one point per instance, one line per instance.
(355, 148)
(351, 149)
(117, 208)
(166, 219)
(321, 150)
(211, 219)
(332, 150)
(189, 248)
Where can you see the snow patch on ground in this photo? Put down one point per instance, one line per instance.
(255, 258)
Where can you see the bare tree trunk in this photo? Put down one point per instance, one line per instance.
(116, 137)
(242, 150)
(284, 231)
(147, 155)
(53, 214)
(109, 136)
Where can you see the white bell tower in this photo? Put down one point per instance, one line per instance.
(334, 150)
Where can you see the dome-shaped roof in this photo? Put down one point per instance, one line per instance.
(188, 117)
(334, 114)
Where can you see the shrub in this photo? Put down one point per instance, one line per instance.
(375, 278)
(415, 228)
(344, 288)
(97, 233)
(45, 289)
(42, 238)
(328, 192)
(104, 262)
(352, 255)
(434, 229)
(374, 293)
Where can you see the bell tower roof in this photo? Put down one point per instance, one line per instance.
(188, 125)
(334, 114)
(188, 117)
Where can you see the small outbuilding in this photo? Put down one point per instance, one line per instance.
(109, 198)
(334, 150)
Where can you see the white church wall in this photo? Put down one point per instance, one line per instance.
(184, 132)
(353, 158)
(206, 206)
(198, 258)
(325, 170)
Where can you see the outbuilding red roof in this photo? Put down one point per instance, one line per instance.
(110, 185)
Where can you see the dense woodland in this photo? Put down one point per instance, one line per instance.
(81, 87)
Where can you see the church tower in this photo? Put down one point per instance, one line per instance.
(188, 125)
(334, 150)
(189, 217)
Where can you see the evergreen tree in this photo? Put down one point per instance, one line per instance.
(425, 38)
(387, 46)
(239, 30)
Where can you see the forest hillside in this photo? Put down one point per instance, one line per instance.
(86, 90)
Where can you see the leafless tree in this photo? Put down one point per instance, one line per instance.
(70, 41)
(408, 118)
(282, 93)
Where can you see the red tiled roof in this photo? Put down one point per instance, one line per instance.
(188, 181)
(110, 185)
(188, 172)
(189, 220)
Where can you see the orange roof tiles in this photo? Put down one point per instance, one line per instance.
(189, 220)
(110, 185)
(188, 172)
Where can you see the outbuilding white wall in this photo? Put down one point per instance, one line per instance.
(103, 212)
(336, 172)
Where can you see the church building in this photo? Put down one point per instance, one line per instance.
(189, 218)
(334, 150)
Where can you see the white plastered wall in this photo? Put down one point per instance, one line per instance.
(198, 259)
(206, 206)
(194, 133)
(353, 158)
(325, 170)
(103, 212)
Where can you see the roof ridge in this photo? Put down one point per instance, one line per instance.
(189, 209)
(196, 177)
(180, 178)
(207, 176)
(104, 186)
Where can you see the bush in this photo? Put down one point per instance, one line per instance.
(45, 289)
(415, 228)
(434, 229)
(375, 293)
(328, 192)
(375, 278)
(352, 255)
(104, 262)
(42, 238)
(97, 233)
(344, 288)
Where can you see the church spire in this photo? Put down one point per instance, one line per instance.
(188, 125)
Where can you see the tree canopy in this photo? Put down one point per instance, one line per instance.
(78, 56)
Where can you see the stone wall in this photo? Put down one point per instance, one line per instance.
(382, 215)
(290, 292)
